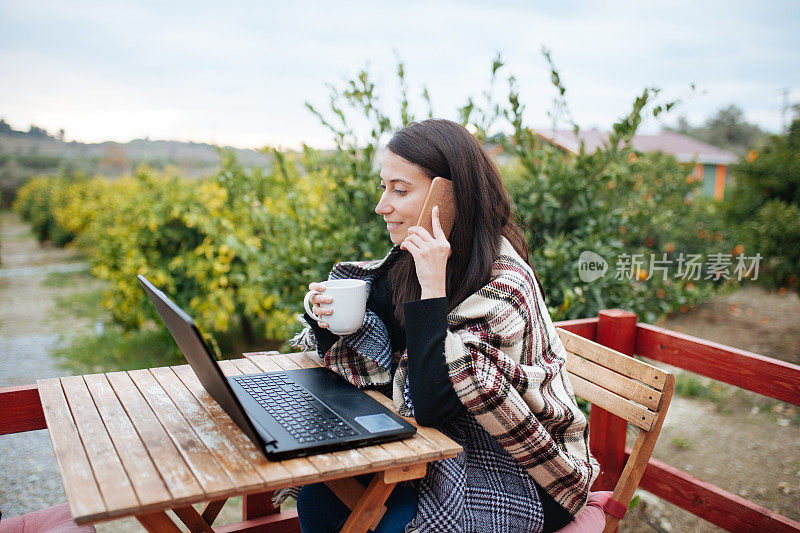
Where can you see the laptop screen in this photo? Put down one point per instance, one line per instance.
(183, 329)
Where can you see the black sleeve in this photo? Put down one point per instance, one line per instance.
(435, 401)
(325, 339)
(555, 516)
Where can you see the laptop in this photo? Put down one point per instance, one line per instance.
(290, 413)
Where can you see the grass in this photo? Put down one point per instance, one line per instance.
(681, 443)
(102, 346)
(84, 304)
(114, 349)
(689, 386)
(60, 280)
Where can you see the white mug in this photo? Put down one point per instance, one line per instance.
(349, 305)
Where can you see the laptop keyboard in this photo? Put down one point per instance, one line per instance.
(295, 409)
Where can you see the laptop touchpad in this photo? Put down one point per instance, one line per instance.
(377, 423)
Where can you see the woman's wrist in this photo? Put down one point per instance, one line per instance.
(432, 294)
(436, 290)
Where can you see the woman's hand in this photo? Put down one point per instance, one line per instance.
(430, 253)
(318, 299)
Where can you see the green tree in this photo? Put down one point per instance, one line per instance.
(727, 129)
(765, 205)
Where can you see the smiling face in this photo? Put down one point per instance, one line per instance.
(405, 186)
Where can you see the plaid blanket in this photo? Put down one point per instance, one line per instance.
(507, 365)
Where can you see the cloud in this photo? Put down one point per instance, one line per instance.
(241, 72)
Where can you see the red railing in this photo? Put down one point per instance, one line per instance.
(22, 411)
(764, 375)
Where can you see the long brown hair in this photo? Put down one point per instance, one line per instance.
(483, 209)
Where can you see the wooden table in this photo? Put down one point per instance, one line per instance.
(140, 442)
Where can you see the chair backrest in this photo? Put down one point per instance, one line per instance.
(635, 391)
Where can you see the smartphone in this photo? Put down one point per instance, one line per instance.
(441, 194)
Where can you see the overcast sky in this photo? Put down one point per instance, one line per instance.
(238, 73)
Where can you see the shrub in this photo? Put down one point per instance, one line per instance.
(764, 207)
(236, 250)
(775, 233)
(37, 202)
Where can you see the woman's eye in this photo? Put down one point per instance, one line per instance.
(398, 192)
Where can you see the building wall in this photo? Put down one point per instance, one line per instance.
(709, 177)
(714, 177)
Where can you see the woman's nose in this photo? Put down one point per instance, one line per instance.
(383, 207)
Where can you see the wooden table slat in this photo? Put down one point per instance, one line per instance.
(400, 452)
(265, 363)
(111, 477)
(225, 452)
(174, 471)
(326, 462)
(425, 450)
(307, 359)
(377, 455)
(448, 446)
(352, 459)
(270, 471)
(80, 486)
(143, 474)
(212, 478)
(284, 361)
(228, 368)
(245, 366)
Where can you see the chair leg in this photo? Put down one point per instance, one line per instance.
(611, 524)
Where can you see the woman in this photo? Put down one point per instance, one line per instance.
(458, 333)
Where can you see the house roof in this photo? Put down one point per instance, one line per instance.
(685, 149)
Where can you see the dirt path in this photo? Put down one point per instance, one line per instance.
(29, 477)
(31, 327)
(752, 318)
(742, 442)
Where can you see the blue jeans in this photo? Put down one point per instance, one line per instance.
(321, 511)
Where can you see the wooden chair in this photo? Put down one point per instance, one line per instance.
(635, 391)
